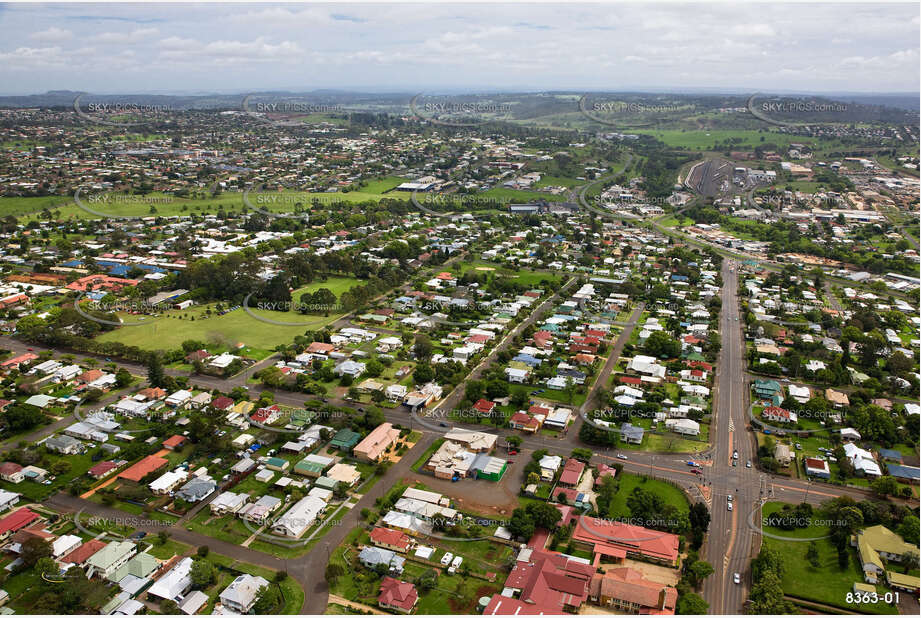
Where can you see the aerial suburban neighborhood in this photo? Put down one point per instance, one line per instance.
(323, 349)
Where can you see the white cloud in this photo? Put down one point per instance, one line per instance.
(52, 35)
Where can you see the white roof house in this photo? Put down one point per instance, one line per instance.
(242, 593)
(174, 584)
(300, 517)
(683, 426)
(179, 398)
(551, 462)
(862, 460)
(799, 393)
(228, 502)
(168, 481)
(65, 544)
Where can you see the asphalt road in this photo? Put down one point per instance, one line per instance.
(731, 542)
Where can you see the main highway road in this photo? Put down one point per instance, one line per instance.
(731, 542)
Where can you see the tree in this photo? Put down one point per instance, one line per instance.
(427, 580)
(691, 604)
(885, 486)
(333, 572)
(699, 571)
(169, 607)
(268, 601)
(155, 373)
(908, 529)
(520, 524)
(202, 574)
(203, 551)
(47, 567)
(422, 348)
(122, 377)
(812, 554)
(768, 560)
(34, 549)
(767, 596)
(544, 515)
(582, 454)
(662, 345)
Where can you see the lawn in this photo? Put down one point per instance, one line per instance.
(453, 594)
(167, 550)
(170, 206)
(826, 584)
(259, 338)
(336, 285)
(292, 592)
(627, 482)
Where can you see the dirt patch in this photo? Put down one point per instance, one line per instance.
(480, 497)
(486, 268)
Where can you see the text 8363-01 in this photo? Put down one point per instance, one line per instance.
(872, 597)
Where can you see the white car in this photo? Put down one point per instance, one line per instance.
(729, 506)
(619, 456)
(729, 497)
(736, 579)
(446, 558)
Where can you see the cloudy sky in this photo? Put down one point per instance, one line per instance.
(173, 48)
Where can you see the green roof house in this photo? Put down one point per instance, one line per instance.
(345, 439)
(140, 566)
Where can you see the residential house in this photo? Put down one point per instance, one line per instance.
(242, 593)
(397, 595)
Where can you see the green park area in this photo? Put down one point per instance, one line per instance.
(203, 202)
(828, 583)
(228, 331)
(627, 482)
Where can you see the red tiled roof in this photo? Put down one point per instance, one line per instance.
(572, 471)
(143, 468)
(222, 403)
(626, 584)
(18, 360)
(550, 582)
(483, 406)
(609, 536)
(84, 552)
(90, 376)
(318, 347)
(174, 441)
(9, 467)
(395, 593)
(16, 520)
(101, 469)
(390, 538)
(506, 606)
(776, 412)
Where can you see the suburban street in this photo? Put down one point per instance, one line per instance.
(733, 537)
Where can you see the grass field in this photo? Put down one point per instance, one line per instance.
(169, 331)
(167, 205)
(514, 196)
(627, 482)
(826, 584)
(526, 277)
(696, 139)
(336, 285)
